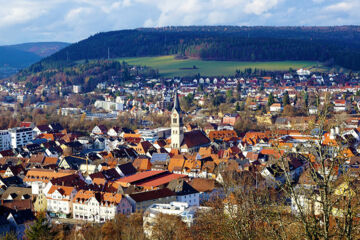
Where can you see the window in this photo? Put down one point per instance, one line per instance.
(174, 120)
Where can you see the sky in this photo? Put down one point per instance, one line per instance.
(73, 20)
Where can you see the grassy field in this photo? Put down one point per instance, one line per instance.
(169, 66)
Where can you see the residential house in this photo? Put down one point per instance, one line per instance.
(59, 200)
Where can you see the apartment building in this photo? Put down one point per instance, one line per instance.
(20, 137)
(59, 200)
(5, 140)
(99, 206)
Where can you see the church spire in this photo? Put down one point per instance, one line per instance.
(176, 103)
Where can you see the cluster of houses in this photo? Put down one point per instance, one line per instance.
(119, 171)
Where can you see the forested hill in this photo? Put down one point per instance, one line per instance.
(334, 45)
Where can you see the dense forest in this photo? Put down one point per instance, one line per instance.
(333, 45)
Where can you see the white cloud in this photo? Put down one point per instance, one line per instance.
(72, 20)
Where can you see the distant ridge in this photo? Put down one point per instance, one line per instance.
(338, 45)
(42, 49)
(19, 56)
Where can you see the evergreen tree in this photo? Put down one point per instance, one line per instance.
(286, 99)
(271, 100)
(40, 230)
(237, 107)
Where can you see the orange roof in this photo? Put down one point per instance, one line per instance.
(112, 198)
(222, 134)
(328, 141)
(176, 163)
(142, 164)
(45, 175)
(50, 160)
(47, 136)
(131, 135)
(65, 191)
(84, 194)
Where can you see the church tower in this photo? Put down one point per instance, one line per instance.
(177, 127)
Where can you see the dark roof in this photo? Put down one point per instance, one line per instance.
(44, 128)
(56, 127)
(12, 181)
(127, 169)
(195, 138)
(124, 153)
(7, 153)
(75, 162)
(103, 128)
(151, 195)
(23, 216)
(34, 148)
(127, 130)
(73, 180)
(180, 187)
(110, 175)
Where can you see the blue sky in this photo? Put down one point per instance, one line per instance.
(73, 20)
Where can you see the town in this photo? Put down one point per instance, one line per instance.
(174, 146)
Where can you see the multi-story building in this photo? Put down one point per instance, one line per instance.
(21, 137)
(5, 140)
(99, 206)
(59, 200)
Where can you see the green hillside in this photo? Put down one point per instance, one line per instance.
(333, 45)
(168, 66)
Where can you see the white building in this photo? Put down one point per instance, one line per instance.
(21, 137)
(109, 106)
(99, 206)
(152, 135)
(303, 72)
(5, 140)
(76, 88)
(59, 200)
(276, 107)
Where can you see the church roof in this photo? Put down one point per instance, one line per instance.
(176, 103)
(195, 138)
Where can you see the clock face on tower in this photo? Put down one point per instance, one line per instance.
(174, 115)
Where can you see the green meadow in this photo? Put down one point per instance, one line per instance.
(168, 66)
